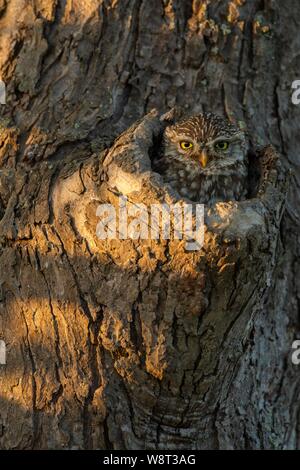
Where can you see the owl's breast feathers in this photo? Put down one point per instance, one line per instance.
(230, 183)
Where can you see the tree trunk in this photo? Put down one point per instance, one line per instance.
(133, 344)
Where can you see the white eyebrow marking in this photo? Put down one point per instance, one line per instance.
(231, 138)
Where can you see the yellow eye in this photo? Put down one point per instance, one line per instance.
(222, 145)
(185, 145)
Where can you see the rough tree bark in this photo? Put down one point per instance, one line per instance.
(141, 344)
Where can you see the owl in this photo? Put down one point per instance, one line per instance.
(204, 158)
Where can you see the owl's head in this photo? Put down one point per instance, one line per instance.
(207, 141)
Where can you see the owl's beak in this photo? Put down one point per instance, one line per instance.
(203, 159)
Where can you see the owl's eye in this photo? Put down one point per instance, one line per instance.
(222, 145)
(185, 145)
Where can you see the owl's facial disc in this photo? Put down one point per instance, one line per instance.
(194, 150)
(225, 151)
(201, 145)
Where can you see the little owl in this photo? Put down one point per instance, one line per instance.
(204, 158)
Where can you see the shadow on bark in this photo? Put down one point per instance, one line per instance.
(127, 343)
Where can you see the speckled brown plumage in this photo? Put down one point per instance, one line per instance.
(205, 173)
